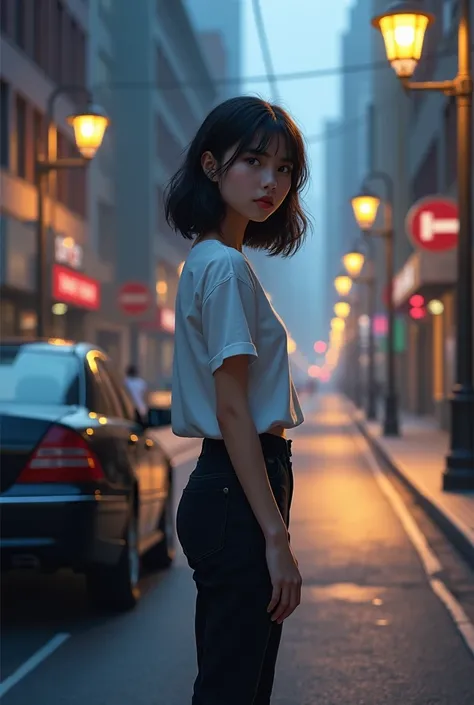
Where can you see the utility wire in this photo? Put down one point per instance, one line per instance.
(265, 47)
(293, 76)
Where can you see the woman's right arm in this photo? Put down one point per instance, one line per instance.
(243, 445)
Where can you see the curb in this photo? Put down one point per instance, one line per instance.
(457, 537)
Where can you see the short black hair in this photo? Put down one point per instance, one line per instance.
(193, 203)
(132, 371)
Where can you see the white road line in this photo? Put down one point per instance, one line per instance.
(32, 662)
(429, 560)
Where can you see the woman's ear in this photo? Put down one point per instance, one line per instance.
(209, 166)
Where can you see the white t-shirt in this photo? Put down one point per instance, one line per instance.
(222, 311)
(138, 390)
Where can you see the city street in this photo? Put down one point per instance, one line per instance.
(369, 631)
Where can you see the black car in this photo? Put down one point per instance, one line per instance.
(83, 483)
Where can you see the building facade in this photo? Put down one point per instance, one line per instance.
(422, 147)
(43, 45)
(162, 89)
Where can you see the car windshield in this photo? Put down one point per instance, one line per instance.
(39, 377)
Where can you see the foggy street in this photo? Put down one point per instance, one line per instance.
(369, 631)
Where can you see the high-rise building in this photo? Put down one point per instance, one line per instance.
(219, 25)
(162, 90)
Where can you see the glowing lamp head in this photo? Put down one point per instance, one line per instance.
(343, 284)
(403, 28)
(435, 307)
(338, 324)
(365, 206)
(89, 129)
(342, 309)
(353, 262)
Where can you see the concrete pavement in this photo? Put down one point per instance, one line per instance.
(418, 456)
(370, 630)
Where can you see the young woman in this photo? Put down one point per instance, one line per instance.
(239, 185)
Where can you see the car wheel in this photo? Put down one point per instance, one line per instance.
(116, 586)
(161, 555)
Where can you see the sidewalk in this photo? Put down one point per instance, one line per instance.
(418, 458)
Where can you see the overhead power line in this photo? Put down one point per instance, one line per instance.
(292, 76)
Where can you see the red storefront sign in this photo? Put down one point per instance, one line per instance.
(73, 288)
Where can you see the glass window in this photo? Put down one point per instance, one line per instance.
(114, 400)
(20, 23)
(7, 318)
(37, 44)
(5, 16)
(123, 394)
(4, 124)
(28, 376)
(21, 136)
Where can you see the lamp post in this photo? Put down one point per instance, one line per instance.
(354, 261)
(89, 128)
(365, 206)
(403, 28)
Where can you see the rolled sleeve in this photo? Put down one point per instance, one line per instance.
(229, 321)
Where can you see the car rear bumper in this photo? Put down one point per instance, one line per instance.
(57, 531)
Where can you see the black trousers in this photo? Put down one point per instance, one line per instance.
(236, 641)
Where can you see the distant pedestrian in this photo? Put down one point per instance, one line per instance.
(138, 389)
(239, 185)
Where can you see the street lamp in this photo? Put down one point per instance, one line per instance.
(343, 284)
(338, 324)
(403, 28)
(342, 309)
(89, 128)
(354, 261)
(459, 472)
(365, 207)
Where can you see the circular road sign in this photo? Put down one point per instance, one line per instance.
(134, 298)
(433, 224)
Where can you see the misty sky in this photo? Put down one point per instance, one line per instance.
(304, 35)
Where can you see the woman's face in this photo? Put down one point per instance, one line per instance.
(257, 183)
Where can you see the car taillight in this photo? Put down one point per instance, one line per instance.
(62, 456)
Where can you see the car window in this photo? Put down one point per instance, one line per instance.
(97, 399)
(123, 394)
(100, 397)
(109, 390)
(37, 377)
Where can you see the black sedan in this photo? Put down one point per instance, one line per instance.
(83, 483)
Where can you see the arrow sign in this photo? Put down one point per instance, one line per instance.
(433, 224)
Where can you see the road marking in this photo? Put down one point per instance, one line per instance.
(429, 560)
(32, 662)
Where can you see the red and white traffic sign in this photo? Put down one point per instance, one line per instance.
(134, 298)
(432, 223)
